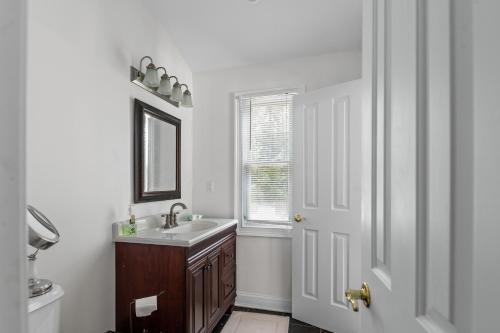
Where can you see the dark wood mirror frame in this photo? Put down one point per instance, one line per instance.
(140, 108)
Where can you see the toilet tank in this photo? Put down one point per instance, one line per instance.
(44, 312)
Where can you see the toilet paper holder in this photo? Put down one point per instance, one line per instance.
(132, 304)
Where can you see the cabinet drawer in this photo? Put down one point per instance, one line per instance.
(228, 253)
(228, 284)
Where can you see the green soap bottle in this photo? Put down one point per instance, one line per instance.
(130, 229)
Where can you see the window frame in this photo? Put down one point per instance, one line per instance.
(248, 228)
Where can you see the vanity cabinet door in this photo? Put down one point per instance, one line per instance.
(214, 299)
(210, 285)
(228, 275)
(197, 280)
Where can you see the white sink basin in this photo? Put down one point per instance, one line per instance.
(194, 226)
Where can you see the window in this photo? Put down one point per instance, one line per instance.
(265, 124)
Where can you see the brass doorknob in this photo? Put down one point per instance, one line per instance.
(353, 295)
(297, 218)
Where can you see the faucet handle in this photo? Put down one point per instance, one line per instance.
(174, 219)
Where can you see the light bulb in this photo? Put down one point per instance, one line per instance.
(187, 101)
(165, 88)
(176, 93)
(151, 78)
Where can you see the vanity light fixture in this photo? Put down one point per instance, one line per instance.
(187, 101)
(151, 77)
(160, 87)
(176, 92)
(139, 75)
(165, 88)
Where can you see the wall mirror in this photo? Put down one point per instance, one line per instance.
(157, 154)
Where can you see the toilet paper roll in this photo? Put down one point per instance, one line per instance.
(145, 306)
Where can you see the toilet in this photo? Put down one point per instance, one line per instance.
(44, 312)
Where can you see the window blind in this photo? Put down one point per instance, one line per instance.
(265, 142)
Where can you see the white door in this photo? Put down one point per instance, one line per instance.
(326, 250)
(409, 251)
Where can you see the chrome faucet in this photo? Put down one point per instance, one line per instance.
(171, 219)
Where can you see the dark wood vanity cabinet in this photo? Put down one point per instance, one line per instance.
(214, 304)
(204, 299)
(199, 284)
(197, 297)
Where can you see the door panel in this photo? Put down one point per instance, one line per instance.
(407, 212)
(340, 154)
(326, 186)
(310, 121)
(213, 272)
(310, 260)
(340, 267)
(196, 276)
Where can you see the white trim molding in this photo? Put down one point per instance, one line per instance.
(264, 232)
(299, 90)
(263, 302)
(13, 239)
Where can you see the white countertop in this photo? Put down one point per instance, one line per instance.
(149, 231)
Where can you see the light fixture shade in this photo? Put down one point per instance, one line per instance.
(187, 101)
(151, 78)
(165, 88)
(176, 93)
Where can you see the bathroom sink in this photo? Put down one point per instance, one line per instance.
(188, 227)
(150, 231)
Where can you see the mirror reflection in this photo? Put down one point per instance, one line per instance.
(159, 155)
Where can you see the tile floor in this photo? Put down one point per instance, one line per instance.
(295, 325)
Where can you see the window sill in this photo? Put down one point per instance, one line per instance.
(275, 232)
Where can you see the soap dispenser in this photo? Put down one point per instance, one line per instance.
(130, 229)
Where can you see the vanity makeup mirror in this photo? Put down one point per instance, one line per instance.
(41, 235)
(157, 153)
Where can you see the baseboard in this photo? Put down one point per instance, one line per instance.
(263, 302)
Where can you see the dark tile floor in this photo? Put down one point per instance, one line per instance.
(295, 325)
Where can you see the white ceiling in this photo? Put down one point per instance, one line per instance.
(214, 34)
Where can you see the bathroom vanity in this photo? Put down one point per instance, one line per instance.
(192, 267)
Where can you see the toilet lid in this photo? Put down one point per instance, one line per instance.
(38, 302)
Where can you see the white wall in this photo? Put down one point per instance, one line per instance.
(264, 264)
(12, 173)
(79, 165)
(486, 46)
